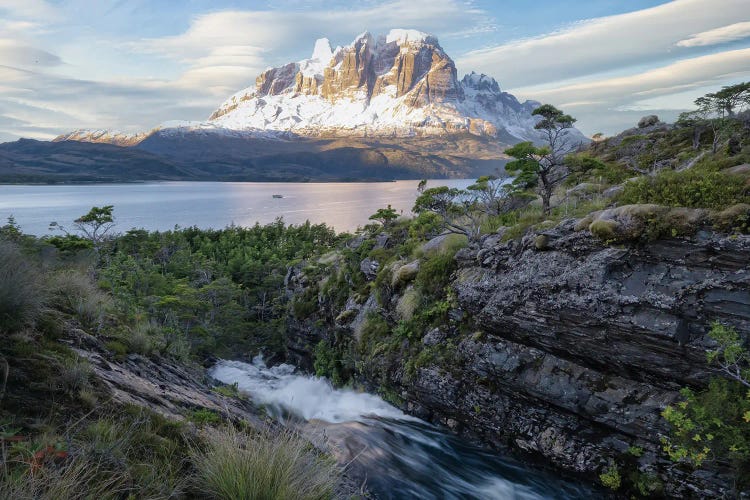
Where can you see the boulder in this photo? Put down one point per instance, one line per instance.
(648, 121)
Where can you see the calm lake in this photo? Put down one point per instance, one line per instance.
(162, 205)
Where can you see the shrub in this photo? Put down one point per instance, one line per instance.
(434, 273)
(144, 338)
(611, 478)
(690, 188)
(21, 292)
(715, 422)
(268, 464)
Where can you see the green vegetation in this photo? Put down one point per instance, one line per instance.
(690, 188)
(543, 166)
(611, 478)
(183, 294)
(713, 424)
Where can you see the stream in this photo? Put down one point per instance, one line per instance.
(401, 456)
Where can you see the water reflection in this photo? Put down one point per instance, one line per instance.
(162, 205)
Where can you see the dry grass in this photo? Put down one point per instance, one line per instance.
(22, 297)
(76, 479)
(76, 293)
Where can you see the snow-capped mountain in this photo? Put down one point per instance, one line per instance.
(381, 108)
(402, 83)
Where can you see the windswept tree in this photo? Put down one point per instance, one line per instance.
(716, 111)
(543, 166)
(456, 208)
(731, 98)
(93, 226)
(492, 194)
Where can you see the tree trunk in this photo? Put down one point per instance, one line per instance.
(546, 195)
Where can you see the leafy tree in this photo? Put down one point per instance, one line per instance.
(543, 166)
(385, 216)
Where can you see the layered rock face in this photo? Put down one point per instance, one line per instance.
(576, 347)
(399, 84)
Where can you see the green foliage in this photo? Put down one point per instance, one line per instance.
(585, 167)
(636, 451)
(611, 478)
(229, 390)
(689, 188)
(385, 216)
(269, 465)
(203, 416)
(714, 423)
(328, 362)
(434, 274)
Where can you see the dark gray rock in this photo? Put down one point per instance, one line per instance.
(369, 268)
(648, 121)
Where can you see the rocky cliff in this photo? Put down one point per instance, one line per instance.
(560, 347)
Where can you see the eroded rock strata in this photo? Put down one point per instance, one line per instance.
(575, 347)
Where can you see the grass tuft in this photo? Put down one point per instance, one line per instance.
(270, 465)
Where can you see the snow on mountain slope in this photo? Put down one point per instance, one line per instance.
(402, 83)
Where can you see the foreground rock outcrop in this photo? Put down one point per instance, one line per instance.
(575, 348)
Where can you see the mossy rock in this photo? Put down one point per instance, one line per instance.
(404, 274)
(605, 230)
(541, 242)
(734, 219)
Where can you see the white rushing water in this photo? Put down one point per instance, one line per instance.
(401, 456)
(311, 398)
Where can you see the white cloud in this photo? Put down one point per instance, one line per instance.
(654, 89)
(736, 31)
(251, 40)
(15, 53)
(688, 73)
(610, 43)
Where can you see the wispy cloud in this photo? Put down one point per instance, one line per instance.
(736, 31)
(610, 43)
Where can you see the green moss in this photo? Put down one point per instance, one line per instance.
(605, 230)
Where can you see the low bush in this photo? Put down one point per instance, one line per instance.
(235, 465)
(690, 188)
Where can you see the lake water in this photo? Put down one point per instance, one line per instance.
(162, 205)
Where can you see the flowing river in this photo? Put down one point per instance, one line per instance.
(401, 456)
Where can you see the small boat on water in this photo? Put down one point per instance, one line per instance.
(278, 195)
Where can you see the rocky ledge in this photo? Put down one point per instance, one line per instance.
(576, 347)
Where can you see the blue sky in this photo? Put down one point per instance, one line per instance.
(132, 64)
